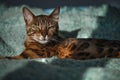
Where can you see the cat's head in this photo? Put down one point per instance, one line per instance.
(41, 28)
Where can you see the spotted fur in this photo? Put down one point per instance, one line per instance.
(89, 48)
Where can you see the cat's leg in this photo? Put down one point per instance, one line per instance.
(16, 57)
(66, 48)
(24, 55)
(2, 57)
(29, 54)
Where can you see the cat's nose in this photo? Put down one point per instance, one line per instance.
(44, 34)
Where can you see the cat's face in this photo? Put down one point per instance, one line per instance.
(42, 28)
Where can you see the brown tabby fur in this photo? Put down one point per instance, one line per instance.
(42, 41)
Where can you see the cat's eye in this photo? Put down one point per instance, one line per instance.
(31, 31)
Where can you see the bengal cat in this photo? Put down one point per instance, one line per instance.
(43, 40)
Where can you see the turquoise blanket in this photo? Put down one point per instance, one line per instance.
(88, 22)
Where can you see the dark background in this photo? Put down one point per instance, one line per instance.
(54, 3)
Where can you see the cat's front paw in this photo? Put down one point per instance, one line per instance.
(70, 43)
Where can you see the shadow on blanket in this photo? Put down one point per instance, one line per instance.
(108, 23)
(59, 70)
(70, 34)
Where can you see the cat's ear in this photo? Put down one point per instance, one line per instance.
(28, 15)
(55, 14)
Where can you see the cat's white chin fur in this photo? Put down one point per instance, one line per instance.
(39, 39)
(43, 41)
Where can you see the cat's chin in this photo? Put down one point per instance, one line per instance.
(43, 42)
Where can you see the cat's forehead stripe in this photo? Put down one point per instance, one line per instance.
(42, 20)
